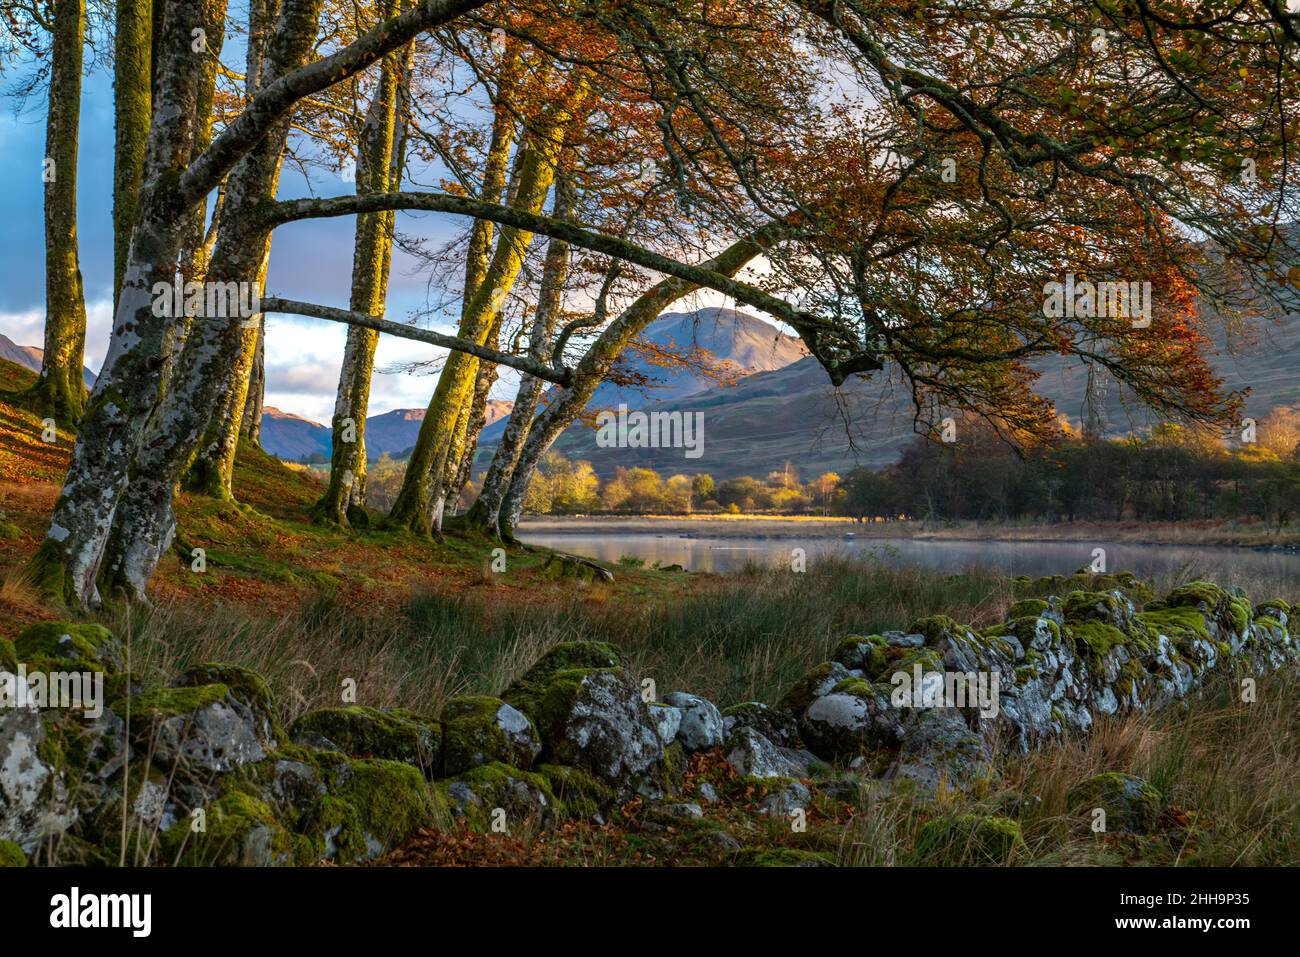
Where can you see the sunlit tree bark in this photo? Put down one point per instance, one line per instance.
(425, 470)
(60, 390)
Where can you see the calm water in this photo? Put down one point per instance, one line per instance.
(1012, 558)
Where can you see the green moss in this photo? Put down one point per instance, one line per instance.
(1130, 803)
(1028, 608)
(1239, 613)
(936, 627)
(1180, 624)
(802, 692)
(1099, 637)
(472, 736)
(240, 830)
(781, 857)
(391, 800)
(1125, 582)
(576, 655)
(855, 651)
(8, 656)
(1263, 621)
(1206, 594)
(9, 532)
(1025, 631)
(523, 795)
(368, 732)
(11, 855)
(245, 684)
(174, 701)
(968, 839)
(578, 795)
(548, 699)
(77, 647)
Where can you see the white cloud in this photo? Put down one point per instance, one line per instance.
(27, 328)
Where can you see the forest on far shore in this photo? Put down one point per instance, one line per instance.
(1173, 474)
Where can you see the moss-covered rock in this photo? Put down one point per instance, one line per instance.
(1028, 608)
(777, 726)
(937, 627)
(1130, 803)
(481, 730)
(570, 655)
(817, 681)
(372, 806)
(968, 839)
(201, 729)
(578, 795)
(395, 735)
(11, 855)
(237, 829)
(856, 717)
(497, 794)
(781, 857)
(65, 646)
(1126, 582)
(593, 718)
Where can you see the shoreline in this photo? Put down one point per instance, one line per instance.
(1201, 534)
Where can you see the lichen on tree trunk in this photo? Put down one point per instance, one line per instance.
(483, 513)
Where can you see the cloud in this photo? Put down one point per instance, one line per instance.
(27, 328)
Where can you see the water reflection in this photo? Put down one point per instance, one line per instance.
(1012, 558)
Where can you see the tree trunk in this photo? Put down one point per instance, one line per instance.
(213, 469)
(378, 165)
(250, 423)
(600, 356)
(125, 431)
(427, 465)
(483, 513)
(145, 524)
(126, 392)
(132, 102)
(60, 391)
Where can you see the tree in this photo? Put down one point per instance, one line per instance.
(1068, 164)
(59, 391)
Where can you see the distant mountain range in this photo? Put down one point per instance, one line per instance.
(793, 414)
(295, 439)
(29, 357)
(783, 407)
(738, 344)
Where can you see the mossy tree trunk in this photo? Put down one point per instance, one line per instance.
(483, 513)
(135, 437)
(60, 390)
(132, 104)
(476, 266)
(213, 469)
(67, 564)
(380, 161)
(426, 469)
(202, 384)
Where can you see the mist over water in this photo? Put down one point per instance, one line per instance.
(705, 554)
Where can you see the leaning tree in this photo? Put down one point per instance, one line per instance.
(908, 219)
